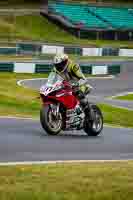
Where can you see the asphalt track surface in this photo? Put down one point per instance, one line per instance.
(25, 140)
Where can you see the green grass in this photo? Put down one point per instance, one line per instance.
(15, 100)
(117, 116)
(100, 58)
(17, 57)
(128, 97)
(38, 28)
(32, 27)
(71, 56)
(92, 181)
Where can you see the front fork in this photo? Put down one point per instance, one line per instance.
(55, 110)
(89, 111)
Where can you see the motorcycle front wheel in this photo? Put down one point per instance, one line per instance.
(51, 121)
(93, 125)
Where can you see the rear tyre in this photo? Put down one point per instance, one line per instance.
(50, 122)
(93, 124)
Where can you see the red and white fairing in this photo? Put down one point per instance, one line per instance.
(56, 89)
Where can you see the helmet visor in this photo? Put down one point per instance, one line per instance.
(60, 66)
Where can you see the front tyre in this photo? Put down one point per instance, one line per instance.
(93, 124)
(51, 121)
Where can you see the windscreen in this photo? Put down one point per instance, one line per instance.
(54, 78)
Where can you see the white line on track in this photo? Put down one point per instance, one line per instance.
(100, 77)
(59, 162)
(19, 118)
(32, 79)
(121, 107)
(120, 94)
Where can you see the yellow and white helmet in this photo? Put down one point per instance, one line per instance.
(60, 62)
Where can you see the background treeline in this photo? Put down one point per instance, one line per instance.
(20, 1)
(30, 2)
(36, 1)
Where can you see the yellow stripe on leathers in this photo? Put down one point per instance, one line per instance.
(74, 73)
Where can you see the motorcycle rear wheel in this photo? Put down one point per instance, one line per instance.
(94, 126)
(50, 123)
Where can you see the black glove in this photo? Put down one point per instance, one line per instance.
(75, 87)
(80, 94)
(75, 84)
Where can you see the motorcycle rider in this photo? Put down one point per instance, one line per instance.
(71, 72)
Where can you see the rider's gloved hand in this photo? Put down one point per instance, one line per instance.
(75, 84)
(75, 87)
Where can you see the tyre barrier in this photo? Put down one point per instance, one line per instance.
(30, 67)
(44, 49)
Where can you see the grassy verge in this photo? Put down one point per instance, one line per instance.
(128, 97)
(72, 56)
(89, 58)
(19, 101)
(100, 58)
(16, 58)
(15, 100)
(32, 27)
(117, 116)
(67, 181)
(37, 28)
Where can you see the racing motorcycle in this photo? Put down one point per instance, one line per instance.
(61, 109)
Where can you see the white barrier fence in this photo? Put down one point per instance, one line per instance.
(24, 67)
(37, 49)
(126, 52)
(98, 70)
(92, 52)
(46, 49)
(52, 49)
(31, 67)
